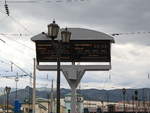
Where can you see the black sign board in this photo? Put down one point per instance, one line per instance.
(75, 51)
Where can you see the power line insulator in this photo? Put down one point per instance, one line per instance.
(6, 8)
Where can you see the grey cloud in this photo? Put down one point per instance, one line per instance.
(122, 14)
(111, 16)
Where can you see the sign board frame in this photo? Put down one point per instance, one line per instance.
(75, 51)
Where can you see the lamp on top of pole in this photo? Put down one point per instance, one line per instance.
(7, 89)
(53, 30)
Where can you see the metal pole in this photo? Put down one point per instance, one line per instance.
(34, 86)
(143, 96)
(58, 84)
(124, 102)
(52, 97)
(149, 103)
(7, 101)
(48, 104)
(124, 93)
(107, 94)
(133, 103)
(16, 80)
(16, 89)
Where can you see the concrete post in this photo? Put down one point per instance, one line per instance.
(34, 87)
(73, 75)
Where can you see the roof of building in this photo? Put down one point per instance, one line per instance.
(77, 94)
(78, 34)
(42, 100)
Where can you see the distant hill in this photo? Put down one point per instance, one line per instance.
(88, 94)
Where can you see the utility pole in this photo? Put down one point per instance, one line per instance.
(58, 84)
(124, 94)
(136, 99)
(5, 96)
(34, 86)
(133, 102)
(52, 97)
(16, 80)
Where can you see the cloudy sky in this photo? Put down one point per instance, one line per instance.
(130, 53)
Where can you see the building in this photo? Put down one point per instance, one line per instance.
(79, 104)
(42, 106)
(3, 109)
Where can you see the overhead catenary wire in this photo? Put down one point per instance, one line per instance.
(42, 1)
(21, 25)
(2, 40)
(6, 43)
(14, 76)
(26, 29)
(2, 12)
(16, 34)
(20, 52)
(10, 38)
(37, 1)
(12, 18)
(16, 21)
(29, 74)
(4, 18)
(16, 49)
(130, 33)
(113, 34)
(26, 73)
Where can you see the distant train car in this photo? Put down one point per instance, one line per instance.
(92, 110)
(86, 110)
(111, 108)
(99, 110)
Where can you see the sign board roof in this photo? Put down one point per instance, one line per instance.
(78, 34)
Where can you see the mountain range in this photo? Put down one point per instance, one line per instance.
(88, 94)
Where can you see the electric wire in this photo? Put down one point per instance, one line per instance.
(29, 74)
(21, 25)
(16, 34)
(2, 19)
(2, 40)
(130, 33)
(17, 22)
(112, 34)
(2, 12)
(16, 49)
(42, 1)
(16, 41)
(12, 47)
(12, 76)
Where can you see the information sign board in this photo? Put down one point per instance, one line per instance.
(75, 51)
